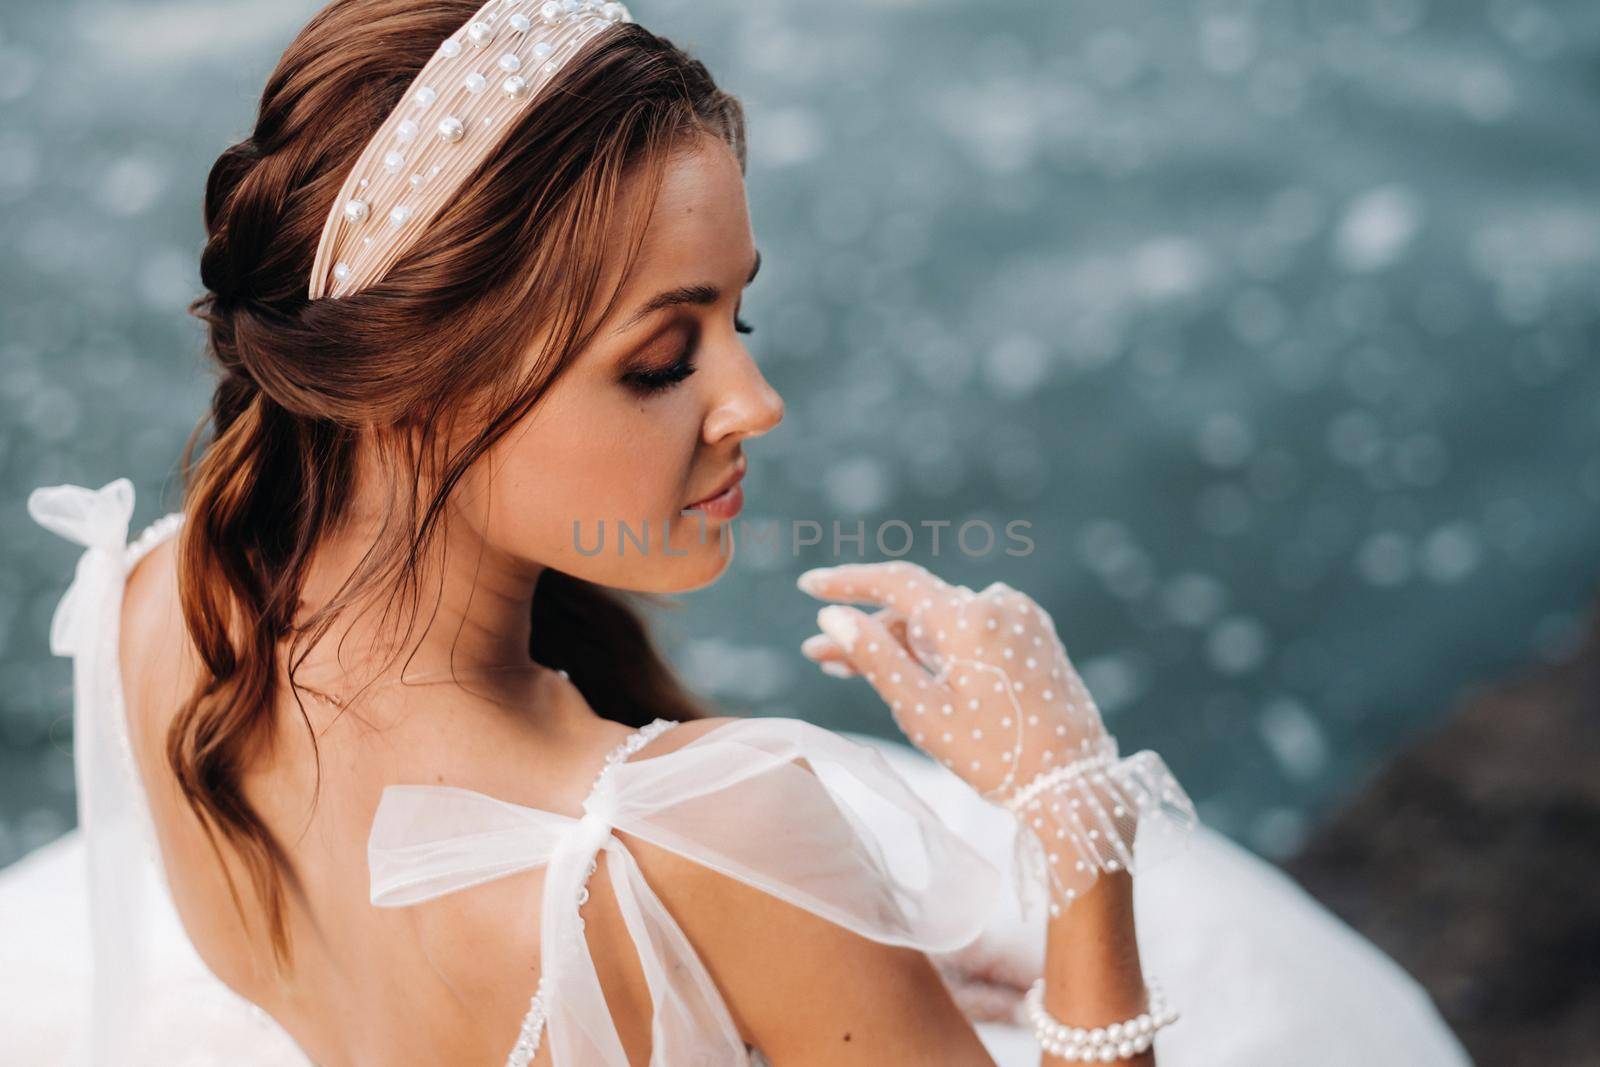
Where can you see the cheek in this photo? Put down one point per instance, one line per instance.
(615, 462)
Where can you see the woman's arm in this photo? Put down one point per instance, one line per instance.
(806, 991)
(1092, 976)
(981, 682)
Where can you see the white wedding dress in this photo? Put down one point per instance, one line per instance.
(96, 969)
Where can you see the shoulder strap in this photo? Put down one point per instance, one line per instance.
(113, 815)
(804, 814)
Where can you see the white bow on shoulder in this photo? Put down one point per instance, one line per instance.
(111, 808)
(781, 804)
(97, 519)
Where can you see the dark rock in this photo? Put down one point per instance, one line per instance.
(1473, 858)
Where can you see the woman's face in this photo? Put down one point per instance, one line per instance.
(651, 418)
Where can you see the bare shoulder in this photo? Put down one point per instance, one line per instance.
(158, 662)
(802, 988)
(158, 670)
(683, 733)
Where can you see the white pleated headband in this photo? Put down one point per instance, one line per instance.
(457, 109)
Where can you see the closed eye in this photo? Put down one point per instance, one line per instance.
(647, 383)
(651, 382)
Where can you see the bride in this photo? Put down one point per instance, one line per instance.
(377, 762)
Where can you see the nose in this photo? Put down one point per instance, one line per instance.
(746, 406)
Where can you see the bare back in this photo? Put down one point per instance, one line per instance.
(445, 982)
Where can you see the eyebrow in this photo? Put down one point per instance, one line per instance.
(701, 293)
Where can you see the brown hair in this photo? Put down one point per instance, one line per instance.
(441, 338)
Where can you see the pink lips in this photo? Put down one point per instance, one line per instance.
(724, 505)
(727, 501)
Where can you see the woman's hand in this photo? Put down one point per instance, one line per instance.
(979, 681)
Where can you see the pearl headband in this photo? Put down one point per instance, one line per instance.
(453, 114)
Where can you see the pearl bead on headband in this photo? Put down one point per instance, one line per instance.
(457, 109)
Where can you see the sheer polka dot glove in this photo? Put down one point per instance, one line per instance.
(981, 683)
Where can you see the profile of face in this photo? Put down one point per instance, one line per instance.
(602, 478)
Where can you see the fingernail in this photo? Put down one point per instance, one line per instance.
(815, 645)
(838, 622)
(837, 669)
(811, 580)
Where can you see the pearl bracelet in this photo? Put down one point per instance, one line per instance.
(1119, 1041)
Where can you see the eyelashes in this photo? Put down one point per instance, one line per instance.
(654, 382)
(651, 382)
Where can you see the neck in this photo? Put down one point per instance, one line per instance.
(474, 606)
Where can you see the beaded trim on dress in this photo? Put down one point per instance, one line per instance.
(152, 536)
(532, 1029)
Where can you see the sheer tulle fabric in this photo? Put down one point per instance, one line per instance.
(111, 808)
(985, 686)
(1131, 814)
(780, 804)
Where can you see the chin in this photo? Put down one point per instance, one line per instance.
(691, 564)
(687, 566)
(701, 567)
(693, 556)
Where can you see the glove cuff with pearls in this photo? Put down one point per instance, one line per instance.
(1082, 818)
(1100, 1044)
(1103, 756)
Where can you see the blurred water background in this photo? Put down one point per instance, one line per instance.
(1276, 321)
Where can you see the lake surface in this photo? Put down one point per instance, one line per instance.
(1276, 324)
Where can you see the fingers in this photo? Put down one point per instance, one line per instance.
(871, 647)
(826, 653)
(898, 584)
(821, 650)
